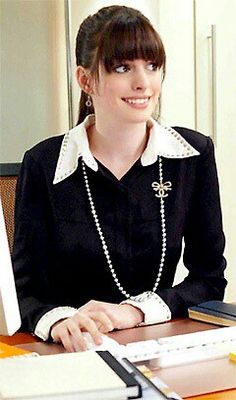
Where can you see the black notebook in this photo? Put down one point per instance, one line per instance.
(215, 312)
(85, 376)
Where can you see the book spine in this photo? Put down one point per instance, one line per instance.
(123, 374)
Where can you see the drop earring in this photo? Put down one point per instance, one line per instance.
(88, 102)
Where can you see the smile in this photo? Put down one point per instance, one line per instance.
(136, 100)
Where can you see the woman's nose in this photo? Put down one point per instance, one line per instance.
(140, 80)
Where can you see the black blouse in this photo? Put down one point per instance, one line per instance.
(58, 256)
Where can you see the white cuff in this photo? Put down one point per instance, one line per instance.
(45, 323)
(155, 310)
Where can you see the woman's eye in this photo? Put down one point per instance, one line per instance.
(121, 68)
(152, 66)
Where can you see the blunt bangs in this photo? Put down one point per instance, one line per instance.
(130, 39)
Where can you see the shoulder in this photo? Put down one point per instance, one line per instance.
(47, 146)
(200, 142)
(42, 157)
(47, 149)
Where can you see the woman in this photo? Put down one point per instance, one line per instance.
(102, 211)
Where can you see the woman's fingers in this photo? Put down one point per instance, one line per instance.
(75, 336)
(96, 318)
(69, 331)
(103, 322)
(121, 315)
(87, 323)
(61, 334)
(109, 309)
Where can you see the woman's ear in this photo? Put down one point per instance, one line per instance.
(84, 79)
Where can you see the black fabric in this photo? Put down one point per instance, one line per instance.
(58, 257)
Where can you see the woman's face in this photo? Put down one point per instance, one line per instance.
(129, 93)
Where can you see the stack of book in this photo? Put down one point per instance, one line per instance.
(214, 312)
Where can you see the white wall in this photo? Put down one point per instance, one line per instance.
(222, 15)
(176, 29)
(176, 25)
(33, 75)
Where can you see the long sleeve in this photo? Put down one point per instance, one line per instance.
(204, 242)
(31, 252)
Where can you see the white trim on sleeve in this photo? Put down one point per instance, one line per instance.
(155, 310)
(45, 323)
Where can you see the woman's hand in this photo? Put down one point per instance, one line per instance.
(69, 331)
(95, 317)
(122, 316)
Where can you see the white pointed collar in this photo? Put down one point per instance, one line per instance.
(163, 141)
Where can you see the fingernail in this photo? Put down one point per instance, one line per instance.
(99, 340)
(84, 347)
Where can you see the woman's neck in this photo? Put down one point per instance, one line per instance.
(118, 147)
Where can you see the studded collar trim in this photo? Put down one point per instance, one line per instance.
(163, 141)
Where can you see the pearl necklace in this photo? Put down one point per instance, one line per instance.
(161, 188)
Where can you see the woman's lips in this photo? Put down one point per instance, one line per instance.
(137, 101)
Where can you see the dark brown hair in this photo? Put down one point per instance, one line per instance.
(112, 35)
